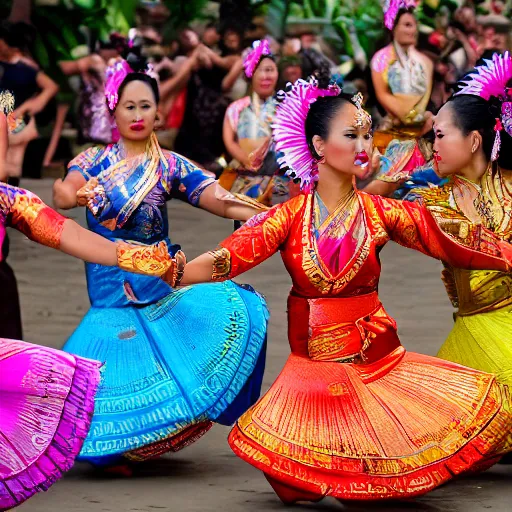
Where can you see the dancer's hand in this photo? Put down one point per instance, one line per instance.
(64, 195)
(175, 274)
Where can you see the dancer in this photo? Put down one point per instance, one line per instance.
(248, 134)
(176, 360)
(47, 396)
(353, 415)
(474, 147)
(403, 80)
(10, 313)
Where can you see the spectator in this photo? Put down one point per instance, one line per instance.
(290, 70)
(32, 90)
(211, 36)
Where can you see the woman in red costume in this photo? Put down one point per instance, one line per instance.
(353, 415)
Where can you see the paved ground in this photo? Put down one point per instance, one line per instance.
(207, 476)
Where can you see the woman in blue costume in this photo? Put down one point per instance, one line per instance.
(176, 360)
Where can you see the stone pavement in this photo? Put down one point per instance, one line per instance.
(207, 476)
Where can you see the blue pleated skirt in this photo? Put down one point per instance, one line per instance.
(171, 368)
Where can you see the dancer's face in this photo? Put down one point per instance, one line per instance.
(406, 31)
(453, 150)
(135, 113)
(265, 77)
(348, 147)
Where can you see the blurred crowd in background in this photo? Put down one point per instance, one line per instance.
(54, 55)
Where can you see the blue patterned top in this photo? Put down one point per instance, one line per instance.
(127, 201)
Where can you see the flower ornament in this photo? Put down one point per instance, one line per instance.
(289, 129)
(493, 79)
(252, 59)
(391, 8)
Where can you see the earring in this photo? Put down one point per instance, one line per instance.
(322, 159)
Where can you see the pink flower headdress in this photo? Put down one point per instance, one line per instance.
(252, 59)
(289, 129)
(491, 80)
(391, 8)
(116, 73)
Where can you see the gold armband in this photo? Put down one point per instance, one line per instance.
(221, 264)
(153, 260)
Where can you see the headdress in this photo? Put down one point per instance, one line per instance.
(391, 8)
(362, 118)
(490, 81)
(252, 59)
(289, 129)
(117, 72)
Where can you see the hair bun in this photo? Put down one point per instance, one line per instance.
(136, 61)
(495, 107)
(323, 75)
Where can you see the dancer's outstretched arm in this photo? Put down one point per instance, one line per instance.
(247, 247)
(25, 212)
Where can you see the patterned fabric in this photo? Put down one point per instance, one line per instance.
(251, 120)
(94, 118)
(164, 382)
(480, 336)
(403, 73)
(46, 408)
(400, 160)
(47, 395)
(386, 423)
(24, 211)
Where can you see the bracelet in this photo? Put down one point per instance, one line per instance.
(180, 262)
(221, 264)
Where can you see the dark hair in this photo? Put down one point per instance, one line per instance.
(18, 35)
(322, 112)
(139, 65)
(400, 13)
(472, 113)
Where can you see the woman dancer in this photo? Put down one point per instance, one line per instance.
(403, 80)
(353, 415)
(248, 133)
(10, 314)
(473, 147)
(47, 396)
(176, 360)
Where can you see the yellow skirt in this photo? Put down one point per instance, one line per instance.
(483, 342)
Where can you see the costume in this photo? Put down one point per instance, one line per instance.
(480, 336)
(407, 77)
(46, 395)
(175, 359)
(352, 414)
(251, 120)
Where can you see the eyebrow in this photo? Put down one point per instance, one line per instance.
(135, 102)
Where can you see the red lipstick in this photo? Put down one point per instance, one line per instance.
(138, 126)
(362, 159)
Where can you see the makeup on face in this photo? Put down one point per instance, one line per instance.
(362, 159)
(136, 111)
(137, 126)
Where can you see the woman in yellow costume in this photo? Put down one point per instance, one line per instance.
(473, 147)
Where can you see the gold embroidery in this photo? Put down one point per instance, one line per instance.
(221, 264)
(153, 260)
(324, 283)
